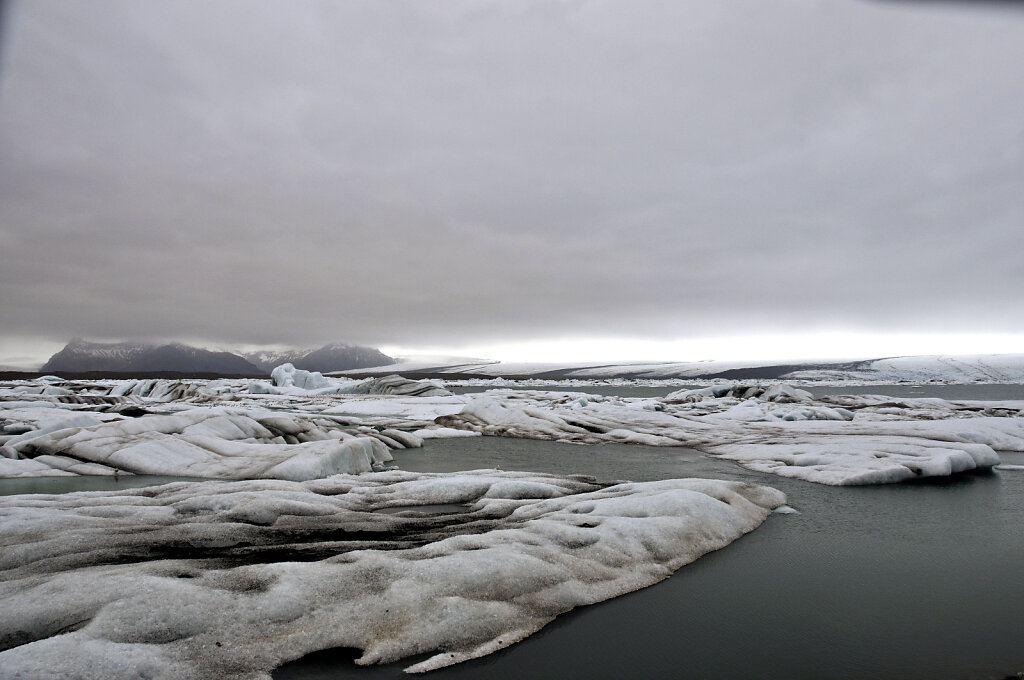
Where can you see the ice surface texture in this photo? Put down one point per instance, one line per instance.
(232, 579)
(991, 368)
(223, 429)
(287, 375)
(200, 442)
(289, 380)
(850, 440)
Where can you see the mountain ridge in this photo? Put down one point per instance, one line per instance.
(82, 356)
(330, 357)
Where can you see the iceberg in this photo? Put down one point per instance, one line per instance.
(203, 442)
(182, 580)
(778, 431)
(287, 375)
(96, 428)
(991, 368)
(287, 379)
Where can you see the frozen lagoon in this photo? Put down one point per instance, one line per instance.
(910, 580)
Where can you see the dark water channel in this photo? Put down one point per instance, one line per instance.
(61, 484)
(909, 581)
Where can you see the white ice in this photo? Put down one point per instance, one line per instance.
(852, 439)
(200, 442)
(992, 368)
(287, 375)
(856, 443)
(235, 578)
(288, 380)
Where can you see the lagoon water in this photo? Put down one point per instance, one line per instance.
(50, 485)
(908, 581)
(911, 581)
(980, 392)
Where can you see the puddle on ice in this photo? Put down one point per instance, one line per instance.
(432, 509)
(55, 485)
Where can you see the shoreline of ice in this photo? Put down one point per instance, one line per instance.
(178, 580)
(300, 555)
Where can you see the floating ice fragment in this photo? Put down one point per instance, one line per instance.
(205, 443)
(175, 581)
(287, 375)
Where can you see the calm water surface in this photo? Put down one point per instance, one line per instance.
(51, 485)
(982, 392)
(909, 581)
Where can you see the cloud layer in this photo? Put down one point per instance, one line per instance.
(446, 173)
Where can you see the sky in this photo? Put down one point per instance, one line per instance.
(525, 180)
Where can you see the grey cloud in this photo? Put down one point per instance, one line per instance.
(438, 173)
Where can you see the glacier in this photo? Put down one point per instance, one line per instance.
(842, 442)
(986, 368)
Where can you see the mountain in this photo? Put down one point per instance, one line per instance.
(333, 357)
(126, 357)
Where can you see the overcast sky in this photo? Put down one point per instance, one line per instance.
(457, 174)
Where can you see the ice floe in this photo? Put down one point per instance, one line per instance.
(232, 579)
(106, 426)
(814, 441)
(288, 380)
(990, 368)
(204, 442)
(287, 375)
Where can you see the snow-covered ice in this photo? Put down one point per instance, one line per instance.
(779, 431)
(242, 576)
(287, 375)
(990, 368)
(193, 579)
(203, 442)
(248, 428)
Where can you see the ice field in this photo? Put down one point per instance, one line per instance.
(307, 537)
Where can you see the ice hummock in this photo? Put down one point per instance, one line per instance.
(89, 428)
(186, 579)
(852, 440)
(287, 375)
(200, 442)
(286, 379)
